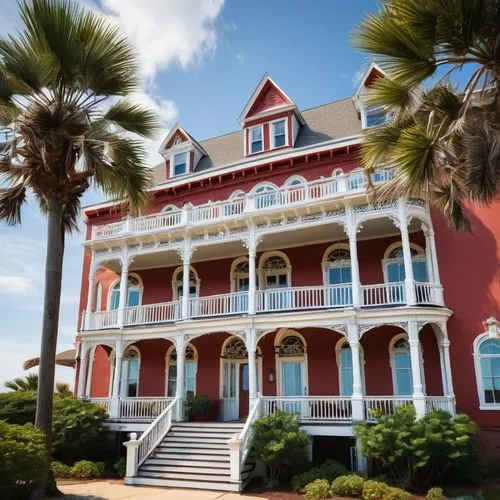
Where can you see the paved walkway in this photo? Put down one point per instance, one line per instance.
(117, 490)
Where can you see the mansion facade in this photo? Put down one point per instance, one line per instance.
(266, 276)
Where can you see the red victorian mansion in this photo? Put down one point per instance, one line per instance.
(265, 276)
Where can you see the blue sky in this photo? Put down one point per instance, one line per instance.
(201, 60)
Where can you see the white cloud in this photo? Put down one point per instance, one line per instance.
(165, 33)
(15, 285)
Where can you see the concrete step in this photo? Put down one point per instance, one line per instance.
(192, 475)
(179, 483)
(186, 441)
(214, 425)
(187, 452)
(190, 469)
(210, 435)
(188, 462)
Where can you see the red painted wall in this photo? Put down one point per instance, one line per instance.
(99, 384)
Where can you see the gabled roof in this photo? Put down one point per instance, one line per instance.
(373, 72)
(177, 129)
(267, 97)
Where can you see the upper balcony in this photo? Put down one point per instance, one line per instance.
(296, 197)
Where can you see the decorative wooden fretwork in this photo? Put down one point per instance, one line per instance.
(242, 267)
(338, 255)
(291, 346)
(274, 262)
(235, 349)
(189, 355)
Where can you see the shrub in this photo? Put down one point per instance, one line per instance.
(121, 467)
(418, 452)
(18, 407)
(348, 486)
(435, 494)
(60, 470)
(329, 470)
(317, 490)
(22, 459)
(396, 494)
(279, 443)
(85, 469)
(374, 490)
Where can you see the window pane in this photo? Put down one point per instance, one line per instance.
(486, 367)
(395, 272)
(190, 379)
(256, 134)
(279, 133)
(420, 271)
(491, 346)
(115, 299)
(402, 360)
(180, 163)
(172, 381)
(133, 298)
(256, 139)
(495, 366)
(404, 385)
(244, 378)
(375, 117)
(347, 382)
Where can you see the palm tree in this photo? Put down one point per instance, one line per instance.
(62, 388)
(65, 85)
(28, 383)
(443, 138)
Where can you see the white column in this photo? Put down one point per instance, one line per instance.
(90, 296)
(117, 375)
(430, 243)
(180, 349)
(445, 345)
(82, 370)
(353, 250)
(89, 371)
(405, 240)
(428, 257)
(252, 365)
(132, 446)
(252, 278)
(357, 380)
(123, 289)
(186, 268)
(418, 389)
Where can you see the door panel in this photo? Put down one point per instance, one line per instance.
(229, 391)
(244, 390)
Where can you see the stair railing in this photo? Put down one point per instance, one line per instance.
(139, 449)
(241, 444)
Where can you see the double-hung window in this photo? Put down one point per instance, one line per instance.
(375, 115)
(278, 134)
(256, 144)
(180, 164)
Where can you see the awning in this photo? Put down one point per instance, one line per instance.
(65, 358)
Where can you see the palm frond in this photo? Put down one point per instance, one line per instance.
(133, 117)
(448, 198)
(392, 95)
(378, 143)
(11, 202)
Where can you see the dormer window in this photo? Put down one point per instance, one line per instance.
(180, 163)
(278, 133)
(256, 144)
(375, 115)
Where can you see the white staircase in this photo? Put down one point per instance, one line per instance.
(193, 455)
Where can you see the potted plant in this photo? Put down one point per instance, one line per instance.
(198, 408)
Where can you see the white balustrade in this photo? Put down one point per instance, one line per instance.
(426, 293)
(104, 403)
(102, 319)
(384, 404)
(310, 408)
(142, 408)
(440, 403)
(218, 305)
(152, 313)
(319, 189)
(383, 294)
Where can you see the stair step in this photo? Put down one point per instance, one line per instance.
(185, 441)
(188, 452)
(189, 462)
(179, 483)
(210, 435)
(218, 425)
(193, 469)
(184, 475)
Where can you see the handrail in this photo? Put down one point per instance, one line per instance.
(155, 432)
(246, 434)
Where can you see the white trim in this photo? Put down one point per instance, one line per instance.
(262, 274)
(180, 150)
(234, 276)
(169, 208)
(125, 371)
(116, 283)
(176, 282)
(338, 350)
(272, 144)
(483, 405)
(193, 362)
(325, 265)
(98, 297)
(249, 151)
(293, 178)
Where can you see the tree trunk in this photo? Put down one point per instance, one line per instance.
(52, 299)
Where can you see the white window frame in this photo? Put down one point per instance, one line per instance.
(192, 362)
(326, 265)
(125, 371)
(263, 273)
(116, 283)
(176, 282)
(420, 257)
(392, 363)
(272, 144)
(235, 276)
(338, 352)
(249, 145)
(184, 147)
(483, 405)
(367, 110)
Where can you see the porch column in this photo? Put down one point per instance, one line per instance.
(357, 381)
(122, 304)
(353, 250)
(186, 268)
(82, 370)
(252, 365)
(445, 347)
(418, 389)
(405, 240)
(114, 410)
(430, 248)
(251, 243)
(90, 295)
(88, 384)
(180, 349)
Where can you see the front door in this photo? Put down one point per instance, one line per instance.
(293, 383)
(244, 391)
(230, 394)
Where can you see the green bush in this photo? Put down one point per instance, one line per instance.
(85, 469)
(317, 490)
(121, 467)
(435, 494)
(18, 407)
(418, 452)
(396, 494)
(329, 470)
(374, 490)
(279, 443)
(60, 470)
(22, 459)
(348, 486)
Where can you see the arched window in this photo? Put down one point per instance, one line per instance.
(275, 276)
(266, 195)
(134, 293)
(190, 369)
(394, 266)
(344, 362)
(337, 274)
(235, 349)
(401, 366)
(356, 179)
(295, 181)
(240, 281)
(131, 365)
(236, 204)
(487, 362)
(177, 283)
(336, 172)
(169, 208)
(294, 190)
(292, 367)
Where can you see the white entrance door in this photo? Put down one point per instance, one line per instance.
(231, 409)
(293, 383)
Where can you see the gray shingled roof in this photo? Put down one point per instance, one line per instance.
(330, 121)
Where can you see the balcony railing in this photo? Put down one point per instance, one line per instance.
(142, 408)
(271, 300)
(208, 213)
(310, 408)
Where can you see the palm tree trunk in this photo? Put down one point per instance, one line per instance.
(52, 299)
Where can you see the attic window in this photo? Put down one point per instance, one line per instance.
(256, 144)
(278, 134)
(180, 164)
(375, 116)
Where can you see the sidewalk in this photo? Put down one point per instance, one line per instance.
(116, 490)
